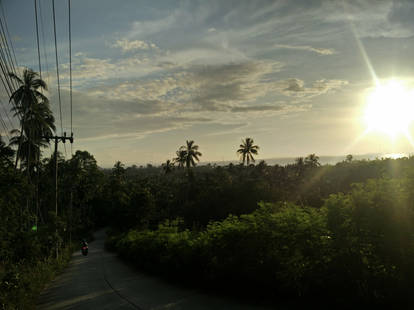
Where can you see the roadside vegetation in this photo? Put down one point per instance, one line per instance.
(340, 233)
(35, 242)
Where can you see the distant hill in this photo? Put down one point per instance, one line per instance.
(331, 160)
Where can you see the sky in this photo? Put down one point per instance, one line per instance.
(149, 75)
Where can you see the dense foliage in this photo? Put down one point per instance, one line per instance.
(29, 228)
(342, 232)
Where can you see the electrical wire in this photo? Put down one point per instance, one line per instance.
(70, 76)
(7, 63)
(57, 69)
(8, 34)
(44, 44)
(37, 39)
(7, 54)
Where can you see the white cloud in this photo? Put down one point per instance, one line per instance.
(321, 51)
(133, 45)
(295, 87)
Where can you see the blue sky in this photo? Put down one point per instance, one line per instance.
(149, 75)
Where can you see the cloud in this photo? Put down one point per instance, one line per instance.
(98, 118)
(257, 108)
(133, 45)
(295, 87)
(198, 88)
(402, 13)
(321, 51)
(372, 19)
(87, 71)
(218, 87)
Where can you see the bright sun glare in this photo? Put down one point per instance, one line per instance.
(390, 109)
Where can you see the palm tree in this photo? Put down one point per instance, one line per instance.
(349, 158)
(36, 118)
(299, 166)
(167, 166)
(247, 149)
(29, 149)
(312, 161)
(181, 157)
(191, 153)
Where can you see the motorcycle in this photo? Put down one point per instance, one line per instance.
(84, 250)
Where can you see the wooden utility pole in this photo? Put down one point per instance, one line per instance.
(57, 139)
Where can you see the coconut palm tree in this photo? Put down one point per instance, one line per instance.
(181, 157)
(191, 153)
(36, 118)
(167, 166)
(29, 150)
(312, 161)
(247, 149)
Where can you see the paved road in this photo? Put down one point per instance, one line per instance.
(102, 281)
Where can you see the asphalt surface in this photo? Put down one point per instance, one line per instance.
(102, 281)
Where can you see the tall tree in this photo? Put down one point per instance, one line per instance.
(191, 153)
(181, 157)
(167, 166)
(36, 118)
(312, 161)
(247, 150)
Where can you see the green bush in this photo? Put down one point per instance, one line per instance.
(373, 239)
(358, 246)
(21, 283)
(282, 246)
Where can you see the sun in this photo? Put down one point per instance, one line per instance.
(390, 109)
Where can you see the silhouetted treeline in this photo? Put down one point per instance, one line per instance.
(138, 197)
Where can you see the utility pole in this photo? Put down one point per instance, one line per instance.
(57, 139)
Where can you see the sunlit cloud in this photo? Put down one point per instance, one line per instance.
(132, 45)
(321, 51)
(296, 87)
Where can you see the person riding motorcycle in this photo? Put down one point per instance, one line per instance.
(84, 247)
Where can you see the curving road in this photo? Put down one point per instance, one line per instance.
(102, 281)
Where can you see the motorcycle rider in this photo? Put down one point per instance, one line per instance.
(84, 247)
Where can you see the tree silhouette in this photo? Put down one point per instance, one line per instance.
(181, 157)
(312, 161)
(247, 149)
(36, 118)
(349, 158)
(167, 167)
(191, 153)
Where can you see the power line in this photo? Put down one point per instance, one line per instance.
(57, 68)
(8, 34)
(8, 57)
(3, 123)
(44, 40)
(70, 75)
(7, 114)
(7, 63)
(37, 37)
